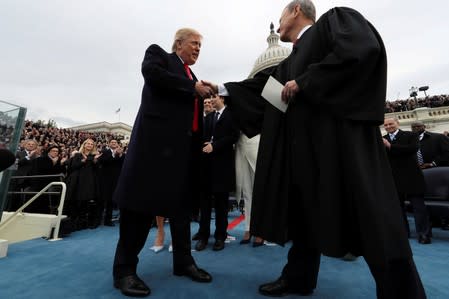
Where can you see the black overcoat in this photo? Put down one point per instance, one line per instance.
(407, 175)
(43, 165)
(109, 172)
(435, 148)
(158, 173)
(219, 166)
(328, 142)
(82, 179)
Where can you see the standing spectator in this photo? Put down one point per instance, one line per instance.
(160, 236)
(219, 173)
(245, 166)
(402, 147)
(434, 150)
(50, 163)
(24, 159)
(110, 164)
(207, 107)
(82, 186)
(434, 147)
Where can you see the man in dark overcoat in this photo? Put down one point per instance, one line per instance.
(434, 147)
(402, 147)
(160, 173)
(24, 159)
(110, 164)
(323, 179)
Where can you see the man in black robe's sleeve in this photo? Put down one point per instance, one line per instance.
(323, 179)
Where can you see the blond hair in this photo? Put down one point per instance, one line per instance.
(183, 34)
(94, 148)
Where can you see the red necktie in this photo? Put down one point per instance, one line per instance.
(195, 105)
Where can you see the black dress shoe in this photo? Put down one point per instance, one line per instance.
(195, 273)
(132, 286)
(219, 245)
(196, 237)
(200, 245)
(423, 239)
(280, 288)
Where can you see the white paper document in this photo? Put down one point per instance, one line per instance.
(272, 93)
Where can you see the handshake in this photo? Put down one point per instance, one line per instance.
(206, 89)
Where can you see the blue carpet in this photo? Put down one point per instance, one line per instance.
(79, 266)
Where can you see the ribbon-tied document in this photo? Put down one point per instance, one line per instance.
(272, 93)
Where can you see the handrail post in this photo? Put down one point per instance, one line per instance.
(60, 208)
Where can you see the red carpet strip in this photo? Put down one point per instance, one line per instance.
(235, 222)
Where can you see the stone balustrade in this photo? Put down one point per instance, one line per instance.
(435, 119)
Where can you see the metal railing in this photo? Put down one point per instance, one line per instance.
(37, 195)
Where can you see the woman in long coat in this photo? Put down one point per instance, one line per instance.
(83, 187)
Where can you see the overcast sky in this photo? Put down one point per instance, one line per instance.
(77, 62)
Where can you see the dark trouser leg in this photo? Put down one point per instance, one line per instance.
(180, 233)
(108, 210)
(301, 270)
(221, 215)
(421, 215)
(134, 228)
(100, 208)
(205, 216)
(398, 279)
(402, 198)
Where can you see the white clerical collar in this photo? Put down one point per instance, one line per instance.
(303, 31)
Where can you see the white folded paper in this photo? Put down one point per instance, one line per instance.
(272, 93)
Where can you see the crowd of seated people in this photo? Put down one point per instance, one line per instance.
(413, 103)
(67, 140)
(73, 155)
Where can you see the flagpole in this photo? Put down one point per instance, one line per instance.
(118, 112)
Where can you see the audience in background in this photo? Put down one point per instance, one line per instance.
(39, 139)
(413, 103)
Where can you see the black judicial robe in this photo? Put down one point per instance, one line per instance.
(328, 142)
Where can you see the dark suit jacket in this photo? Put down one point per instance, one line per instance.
(43, 165)
(24, 167)
(109, 171)
(402, 155)
(219, 166)
(158, 172)
(435, 148)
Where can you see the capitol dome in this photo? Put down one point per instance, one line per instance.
(272, 56)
